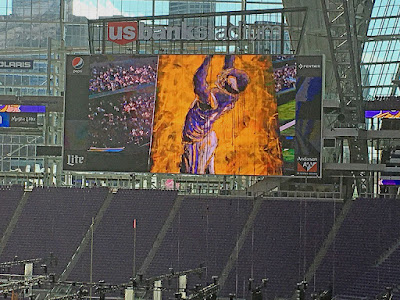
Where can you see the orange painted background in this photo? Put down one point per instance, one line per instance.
(248, 142)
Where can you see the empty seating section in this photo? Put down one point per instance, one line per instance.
(204, 232)
(371, 227)
(283, 242)
(374, 281)
(385, 269)
(113, 245)
(53, 220)
(9, 199)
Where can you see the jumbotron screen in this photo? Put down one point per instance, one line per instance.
(194, 114)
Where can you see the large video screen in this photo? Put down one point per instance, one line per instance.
(194, 114)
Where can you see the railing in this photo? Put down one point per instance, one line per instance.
(213, 185)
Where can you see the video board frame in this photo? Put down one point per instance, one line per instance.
(143, 113)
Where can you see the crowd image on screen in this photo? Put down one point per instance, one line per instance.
(114, 77)
(285, 78)
(121, 121)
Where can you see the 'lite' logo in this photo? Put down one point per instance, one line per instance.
(73, 159)
(122, 32)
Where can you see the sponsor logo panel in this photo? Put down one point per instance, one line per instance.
(77, 63)
(307, 165)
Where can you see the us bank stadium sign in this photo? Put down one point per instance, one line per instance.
(127, 32)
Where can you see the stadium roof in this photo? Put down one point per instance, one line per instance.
(381, 51)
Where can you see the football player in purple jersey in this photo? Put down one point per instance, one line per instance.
(198, 137)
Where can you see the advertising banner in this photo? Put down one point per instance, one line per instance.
(16, 64)
(23, 120)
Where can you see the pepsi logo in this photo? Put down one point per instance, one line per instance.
(77, 63)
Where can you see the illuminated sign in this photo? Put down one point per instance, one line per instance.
(15, 115)
(195, 114)
(389, 182)
(22, 108)
(382, 114)
(24, 120)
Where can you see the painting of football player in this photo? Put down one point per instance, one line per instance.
(210, 103)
